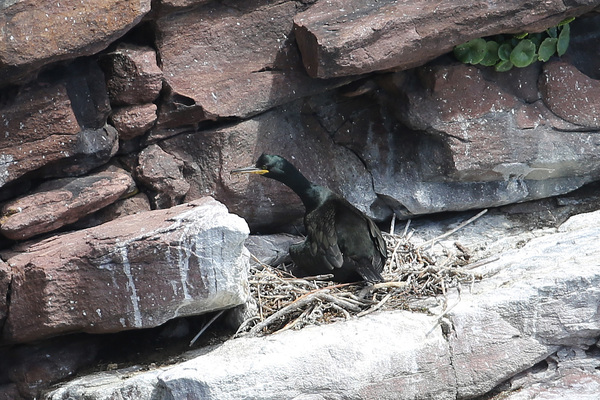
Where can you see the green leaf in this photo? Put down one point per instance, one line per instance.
(566, 21)
(504, 51)
(491, 54)
(547, 49)
(503, 66)
(563, 40)
(552, 32)
(471, 52)
(521, 35)
(536, 38)
(523, 54)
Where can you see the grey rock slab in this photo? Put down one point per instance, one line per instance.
(381, 356)
(540, 297)
(570, 374)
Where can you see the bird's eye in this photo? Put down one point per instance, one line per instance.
(265, 167)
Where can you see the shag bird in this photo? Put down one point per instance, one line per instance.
(340, 239)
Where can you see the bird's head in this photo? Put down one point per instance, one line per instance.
(271, 166)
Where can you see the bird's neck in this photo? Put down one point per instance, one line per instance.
(311, 195)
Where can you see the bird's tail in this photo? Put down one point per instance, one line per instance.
(369, 274)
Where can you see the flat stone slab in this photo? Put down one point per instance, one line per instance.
(63, 201)
(138, 271)
(341, 37)
(36, 33)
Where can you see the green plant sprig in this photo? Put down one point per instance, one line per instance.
(506, 51)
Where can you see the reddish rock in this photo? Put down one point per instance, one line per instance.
(132, 75)
(56, 128)
(167, 6)
(40, 119)
(225, 61)
(59, 155)
(61, 202)
(341, 38)
(128, 206)
(133, 121)
(135, 272)
(36, 33)
(161, 172)
(570, 94)
(35, 108)
(492, 134)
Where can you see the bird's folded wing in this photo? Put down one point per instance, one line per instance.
(321, 233)
(379, 244)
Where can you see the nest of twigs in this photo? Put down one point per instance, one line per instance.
(411, 272)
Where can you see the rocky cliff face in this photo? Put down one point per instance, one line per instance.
(120, 121)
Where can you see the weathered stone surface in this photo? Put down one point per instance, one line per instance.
(72, 156)
(271, 249)
(133, 121)
(541, 297)
(161, 172)
(340, 38)
(167, 6)
(135, 272)
(57, 203)
(36, 33)
(57, 128)
(492, 144)
(210, 155)
(571, 374)
(536, 302)
(570, 94)
(254, 64)
(346, 361)
(128, 206)
(132, 75)
(59, 155)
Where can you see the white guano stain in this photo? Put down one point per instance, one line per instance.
(137, 315)
(6, 160)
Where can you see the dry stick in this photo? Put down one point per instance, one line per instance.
(406, 228)
(376, 306)
(260, 306)
(244, 325)
(310, 278)
(393, 224)
(342, 310)
(481, 263)
(450, 232)
(396, 249)
(301, 302)
(321, 294)
(205, 327)
(302, 316)
(339, 301)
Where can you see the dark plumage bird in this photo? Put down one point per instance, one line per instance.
(340, 239)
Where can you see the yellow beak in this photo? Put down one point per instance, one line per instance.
(249, 170)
